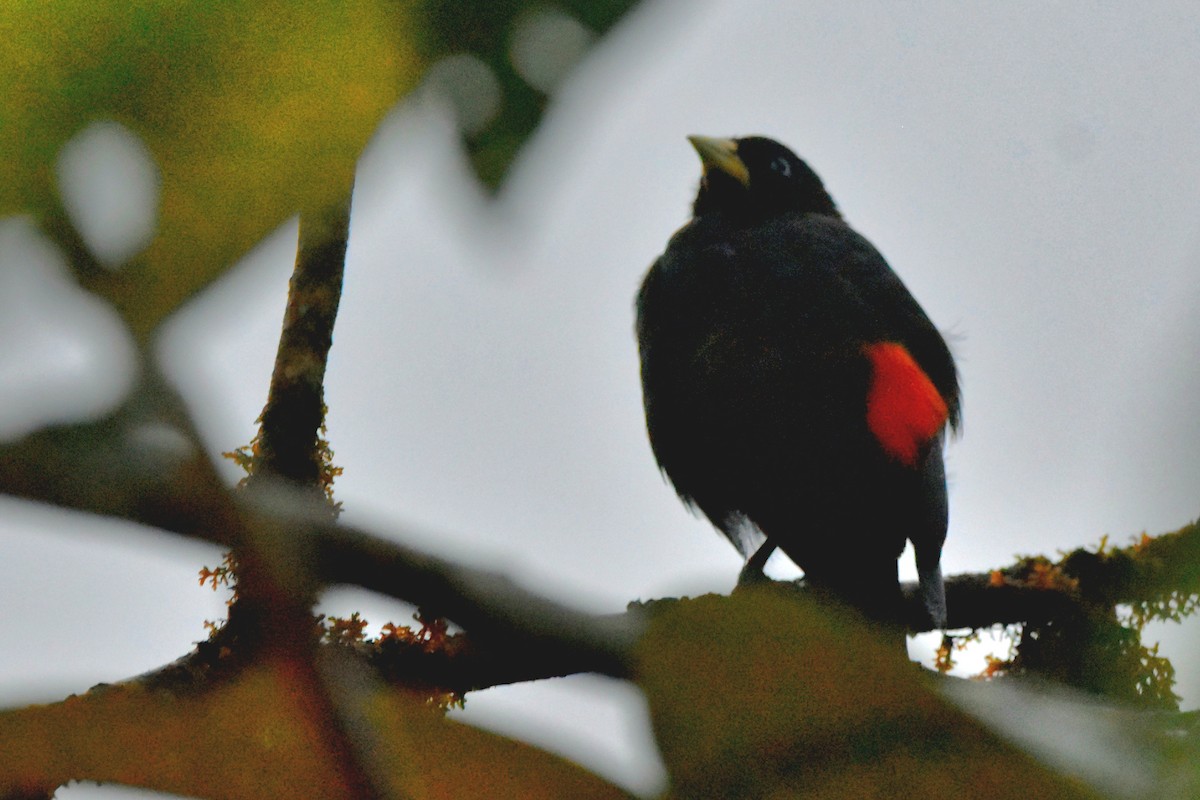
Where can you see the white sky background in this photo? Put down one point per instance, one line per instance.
(1032, 172)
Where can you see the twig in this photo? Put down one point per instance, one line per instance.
(143, 463)
(491, 607)
(288, 441)
(275, 586)
(974, 601)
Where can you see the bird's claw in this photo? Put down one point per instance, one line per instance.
(752, 573)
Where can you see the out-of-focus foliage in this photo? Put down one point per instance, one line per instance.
(250, 110)
(244, 113)
(759, 695)
(254, 110)
(499, 62)
(255, 736)
(1096, 642)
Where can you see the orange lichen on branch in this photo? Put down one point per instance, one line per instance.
(251, 455)
(1039, 572)
(397, 644)
(223, 575)
(994, 667)
(943, 659)
(344, 630)
(432, 636)
(328, 471)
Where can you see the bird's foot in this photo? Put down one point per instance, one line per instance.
(752, 573)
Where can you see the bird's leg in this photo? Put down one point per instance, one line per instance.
(753, 573)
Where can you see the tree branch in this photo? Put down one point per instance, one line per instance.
(142, 463)
(974, 600)
(288, 444)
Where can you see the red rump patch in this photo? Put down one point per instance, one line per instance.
(904, 408)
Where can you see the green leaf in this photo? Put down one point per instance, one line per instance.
(255, 736)
(763, 695)
(518, 52)
(251, 110)
(255, 110)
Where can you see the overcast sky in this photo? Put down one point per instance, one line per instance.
(1031, 170)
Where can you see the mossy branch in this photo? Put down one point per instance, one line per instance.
(289, 444)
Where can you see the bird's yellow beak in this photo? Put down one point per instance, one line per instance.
(721, 154)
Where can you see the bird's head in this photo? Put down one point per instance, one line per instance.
(756, 177)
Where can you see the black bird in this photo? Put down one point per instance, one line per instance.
(793, 387)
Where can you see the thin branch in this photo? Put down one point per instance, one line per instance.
(473, 663)
(509, 626)
(974, 600)
(491, 607)
(514, 634)
(143, 463)
(1149, 570)
(275, 588)
(288, 444)
(497, 613)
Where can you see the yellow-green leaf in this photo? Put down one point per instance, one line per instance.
(259, 735)
(760, 695)
(251, 110)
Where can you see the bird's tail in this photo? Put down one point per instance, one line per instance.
(933, 593)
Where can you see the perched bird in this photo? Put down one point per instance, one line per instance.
(794, 389)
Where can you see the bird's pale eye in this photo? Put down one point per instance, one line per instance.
(782, 166)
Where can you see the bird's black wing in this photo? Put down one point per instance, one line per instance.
(898, 317)
(897, 314)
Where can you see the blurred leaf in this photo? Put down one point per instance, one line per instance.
(255, 737)
(519, 51)
(1120, 749)
(458, 761)
(251, 110)
(760, 695)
